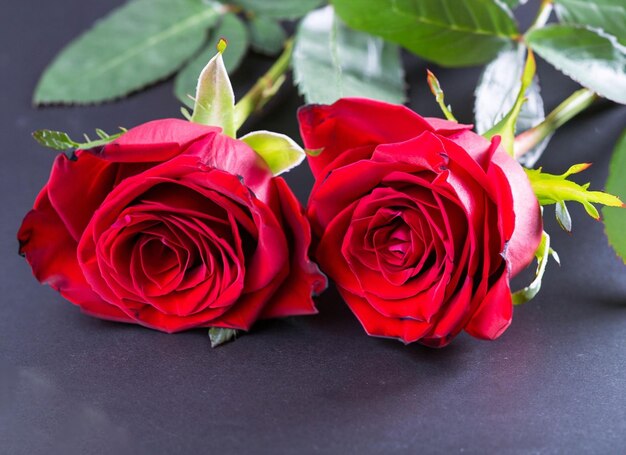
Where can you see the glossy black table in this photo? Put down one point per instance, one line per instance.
(555, 382)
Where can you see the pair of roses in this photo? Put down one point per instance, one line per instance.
(420, 222)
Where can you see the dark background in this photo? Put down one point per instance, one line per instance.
(555, 382)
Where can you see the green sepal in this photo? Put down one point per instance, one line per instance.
(220, 335)
(505, 128)
(280, 152)
(556, 189)
(61, 141)
(235, 32)
(542, 255)
(214, 103)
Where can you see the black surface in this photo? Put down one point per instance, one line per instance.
(555, 382)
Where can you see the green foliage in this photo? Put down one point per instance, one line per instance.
(448, 32)
(219, 336)
(277, 9)
(137, 44)
(331, 61)
(58, 140)
(235, 32)
(556, 189)
(497, 92)
(606, 15)
(266, 35)
(593, 59)
(615, 218)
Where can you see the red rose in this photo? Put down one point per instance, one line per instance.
(421, 222)
(172, 226)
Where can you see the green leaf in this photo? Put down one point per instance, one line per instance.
(497, 92)
(448, 32)
(280, 152)
(215, 100)
(543, 253)
(266, 35)
(606, 15)
(553, 189)
(505, 128)
(137, 44)
(615, 218)
(594, 60)
(435, 88)
(278, 9)
(331, 61)
(58, 140)
(55, 140)
(219, 336)
(234, 31)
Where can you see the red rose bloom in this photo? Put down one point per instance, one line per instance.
(172, 226)
(421, 222)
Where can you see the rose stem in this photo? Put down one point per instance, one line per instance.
(543, 14)
(265, 87)
(572, 106)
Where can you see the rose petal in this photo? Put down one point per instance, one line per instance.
(495, 312)
(156, 141)
(376, 324)
(51, 252)
(528, 222)
(451, 317)
(354, 122)
(94, 177)
(236, 158)
(305, 280)
(447, 127)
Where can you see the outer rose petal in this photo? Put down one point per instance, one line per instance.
(77, 188)
(236, 158)
(446, 127)
(162, 140)
(51, 252)
(354, 122)
(305, 280)
(376, 324)
(528, 223)
(494, 314)
(154, 141)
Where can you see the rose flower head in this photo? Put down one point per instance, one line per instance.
(421, 222)
(172, 226)
(177, 224)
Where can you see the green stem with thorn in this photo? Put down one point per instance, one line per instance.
(572, 106)
(543, 14)
(265, 87)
